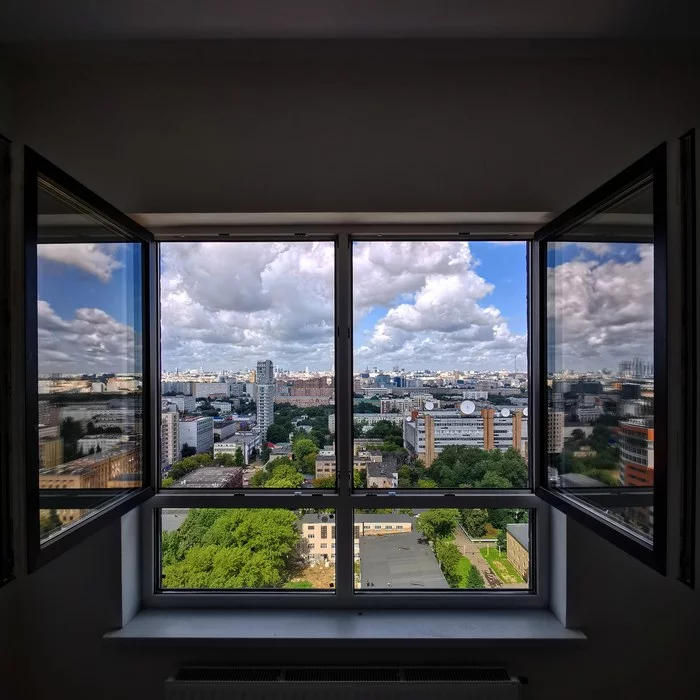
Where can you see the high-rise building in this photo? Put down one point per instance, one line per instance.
(170, 437)
(197, 432)
(265, 384)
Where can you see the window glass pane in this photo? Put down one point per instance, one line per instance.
(433, 549)
(600, 364)
(440, 364)
(90, 359)
(247, 548)
(247, 356)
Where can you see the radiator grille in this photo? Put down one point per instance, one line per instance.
(343, 675)
(228, 675)
(463, 675)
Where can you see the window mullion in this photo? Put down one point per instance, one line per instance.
(343, 407)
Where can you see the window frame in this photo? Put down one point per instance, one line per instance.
(344, 500)
(651, 167)
(6, 529)
(109, 504)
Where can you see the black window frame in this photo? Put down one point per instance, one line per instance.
(650, 168)
(6, 528)
(110, 503)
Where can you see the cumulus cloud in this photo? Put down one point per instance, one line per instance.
(90, 342)
(601, 310)
(98, 259)
(226, 305)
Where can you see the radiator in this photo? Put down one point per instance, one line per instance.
(392, 683)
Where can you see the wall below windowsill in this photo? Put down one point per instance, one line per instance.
(400, 628)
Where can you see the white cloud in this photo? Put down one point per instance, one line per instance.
(601, 311)
(90, 342)
(227, 305)
(97, 259)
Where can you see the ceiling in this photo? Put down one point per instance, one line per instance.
(48, 20)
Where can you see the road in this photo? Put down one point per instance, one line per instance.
(471, 551)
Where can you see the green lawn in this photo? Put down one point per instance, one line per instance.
(500, 565)
(463, 571)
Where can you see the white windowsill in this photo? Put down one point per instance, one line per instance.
(472, 628)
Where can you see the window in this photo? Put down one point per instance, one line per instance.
(424, 397)
(88, 396)
(603, 386)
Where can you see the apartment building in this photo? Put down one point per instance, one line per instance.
(247, 442)
(426, 434)
(170, 437)
(197, 432)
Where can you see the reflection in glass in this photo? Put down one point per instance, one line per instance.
(600, 363)
(247, 356)
(442, 548)
(89, 360)
(247, 548)
(440, 364)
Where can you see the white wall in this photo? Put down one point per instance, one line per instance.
(320, 134)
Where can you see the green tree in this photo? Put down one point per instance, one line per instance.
(438, 523)
(475, 579)
(280, 473)
(49, 522)
(326, 482)
(71, 432)
(167, 482)
(276, 433)
(231, 548)
(238, 458)
(225, 460)
(474, 521)
(305, 450)
(187, 451)
(501, 540)
(448, 557)
(359, 478)
(366, 407)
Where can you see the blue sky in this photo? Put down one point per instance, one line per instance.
(90, 308)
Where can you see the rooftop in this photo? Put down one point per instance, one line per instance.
(380, 469)
(521, 533)
(400, 560)
(208, 477)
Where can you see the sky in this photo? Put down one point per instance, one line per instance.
(417, 305)
(89, 310)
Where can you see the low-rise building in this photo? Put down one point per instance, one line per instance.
(325, 464)
(318, 532)
(246, 442)
(212, 478)
(518, 547)
(382, 476)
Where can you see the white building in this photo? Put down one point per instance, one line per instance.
(170, 437)
(223, 406)
(203, 390)
(587, 414)
(265, 383)
(474, 395)
(246, 441)
(368, 420)
(185, 404)
(197, 432)
(428, 434)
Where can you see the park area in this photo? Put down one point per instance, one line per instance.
(500, 565)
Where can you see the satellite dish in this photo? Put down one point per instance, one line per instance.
(505, 412)
(466, 408)
(429, 405)
(408, 419)
(525, 412)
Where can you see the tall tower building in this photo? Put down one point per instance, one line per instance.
(265, 381)
(170, 435)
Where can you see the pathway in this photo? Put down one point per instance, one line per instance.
(471, 551)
